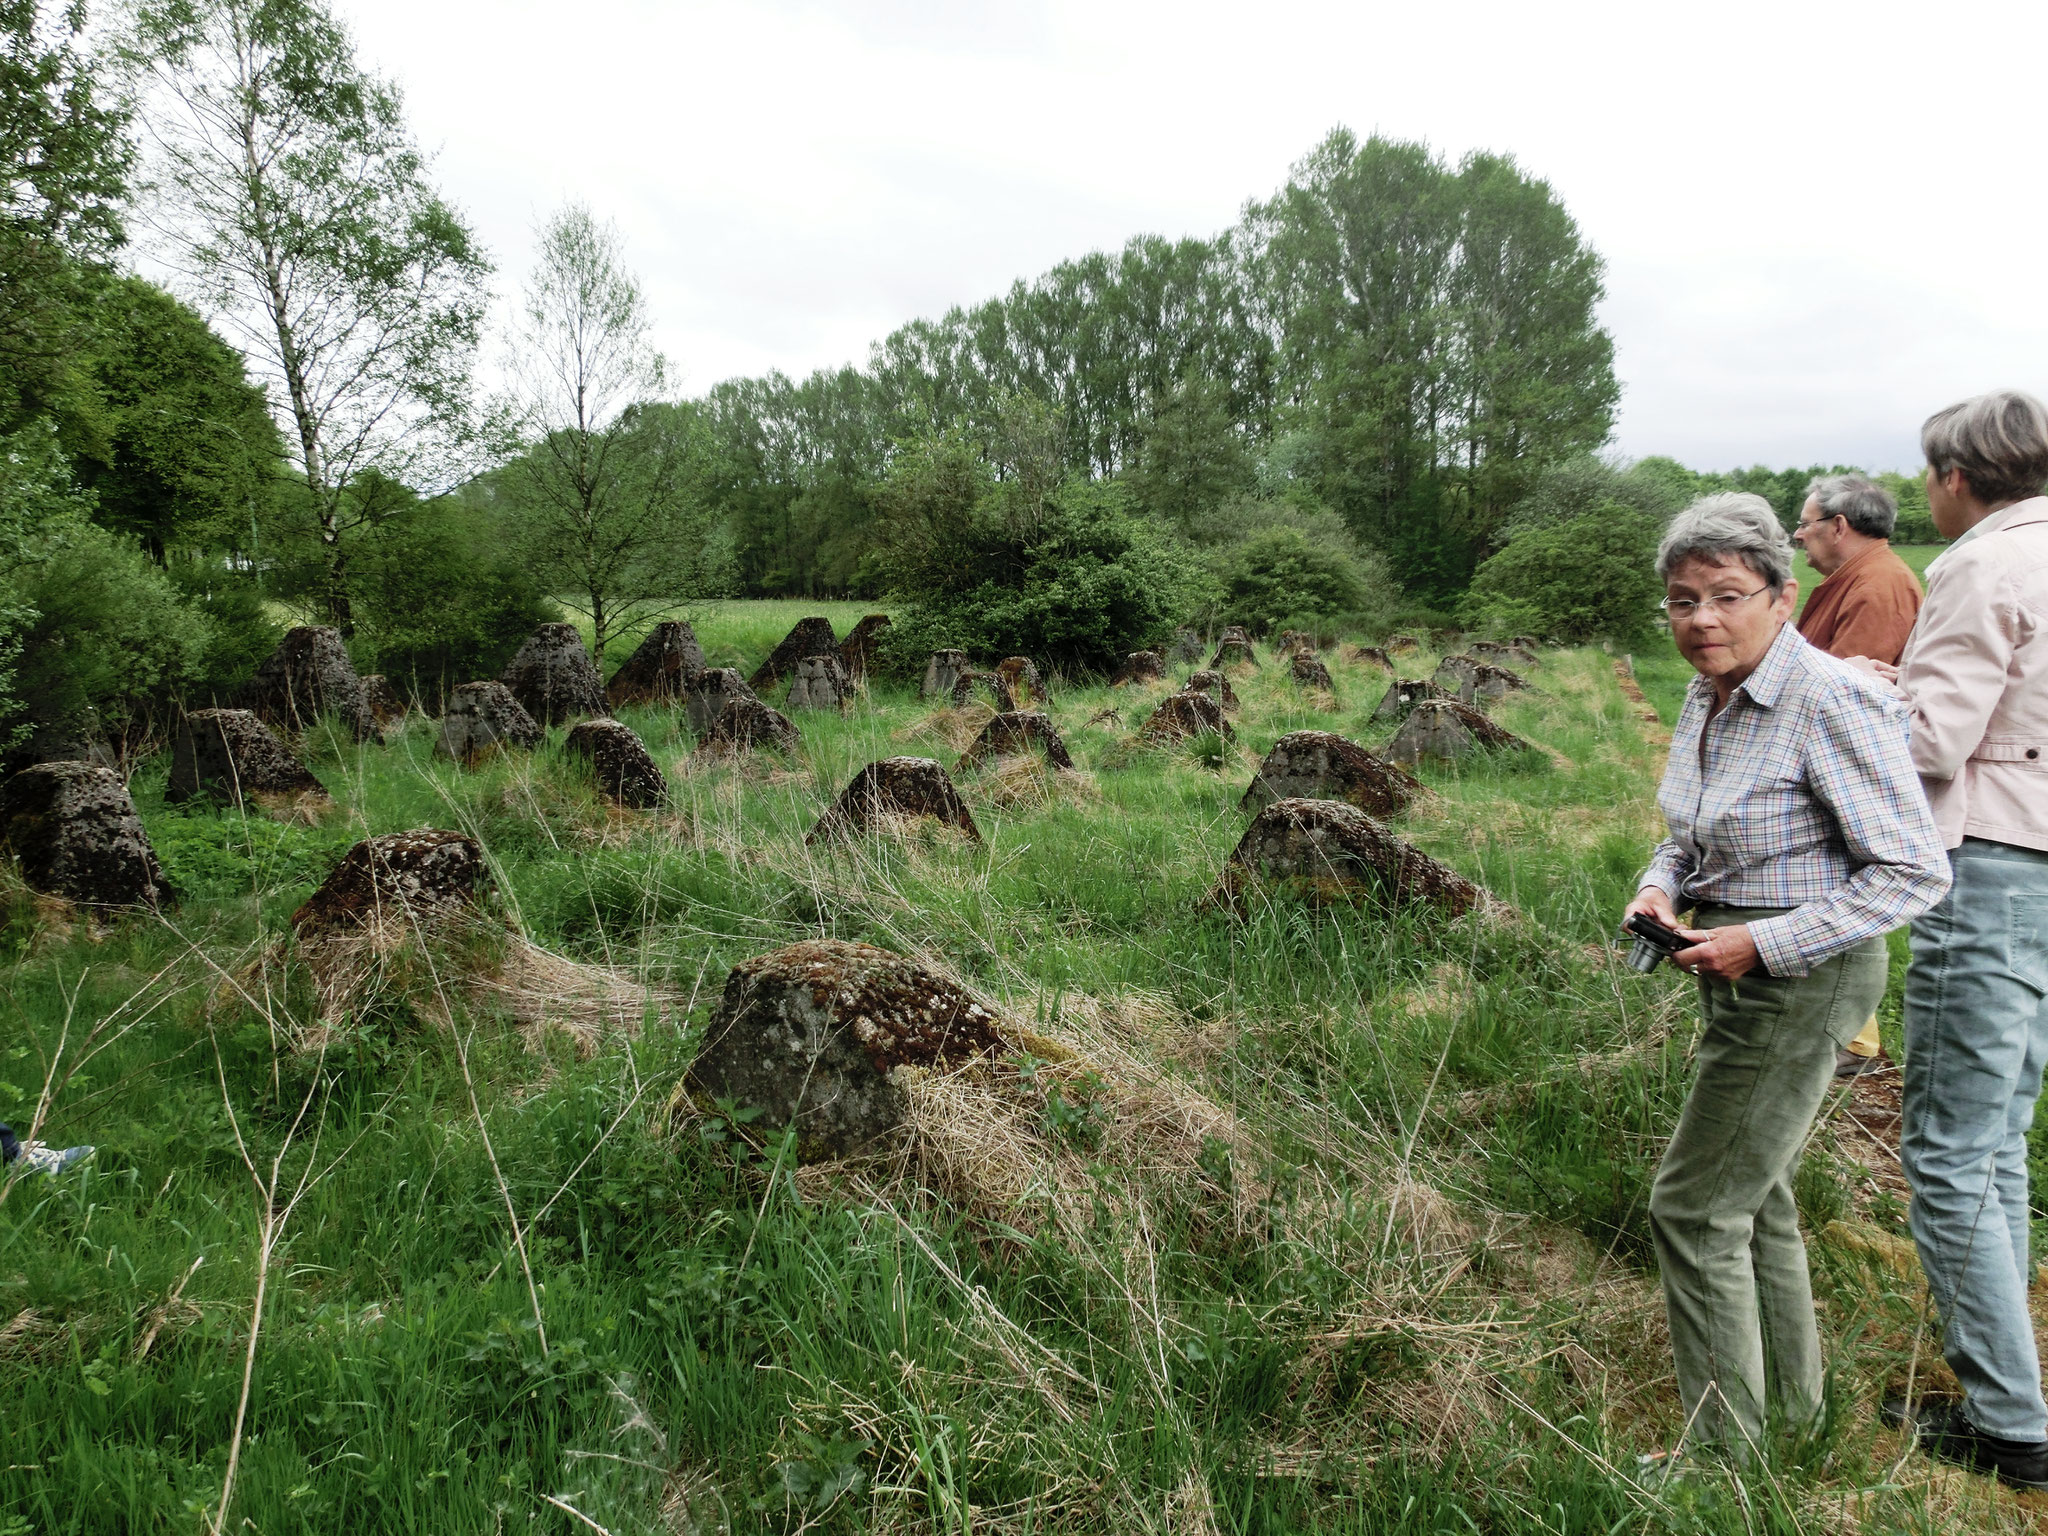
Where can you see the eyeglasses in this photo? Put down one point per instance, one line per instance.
(1815, 522)
(1724, 605)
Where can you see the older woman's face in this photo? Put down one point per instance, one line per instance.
(1725, 640)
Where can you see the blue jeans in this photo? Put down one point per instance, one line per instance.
(1976, 1041)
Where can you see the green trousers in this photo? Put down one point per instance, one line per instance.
(1726, 1227)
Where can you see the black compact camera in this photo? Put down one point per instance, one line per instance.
(1651, 942)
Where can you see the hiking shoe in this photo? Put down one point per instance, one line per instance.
(1848, 1064)
(1943, 1432)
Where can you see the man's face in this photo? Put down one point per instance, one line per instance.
(1820, 536)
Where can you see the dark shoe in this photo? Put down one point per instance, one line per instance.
(1945, 1434)
(1849, 1064)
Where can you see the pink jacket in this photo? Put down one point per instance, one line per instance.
(1976, 675)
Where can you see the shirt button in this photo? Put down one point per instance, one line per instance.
(2033, 752)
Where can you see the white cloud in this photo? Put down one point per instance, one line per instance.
(1820, 220)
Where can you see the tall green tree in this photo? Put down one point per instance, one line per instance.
(163, 426)
(1192, 456)
(64, 163)
(1437, 338)
(610, 489)
(298, 205)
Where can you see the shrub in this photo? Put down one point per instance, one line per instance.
(1591, 578)
(1278, 575)
(1033, 564)
(40, 509)
(440, 599)
(242, 632)
(109, 638)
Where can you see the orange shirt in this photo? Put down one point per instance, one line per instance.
(1866, 608)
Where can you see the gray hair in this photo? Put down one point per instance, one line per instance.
(1999, 441)
(1735, 523)
(1866, 505)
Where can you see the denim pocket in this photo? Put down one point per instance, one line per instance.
(2026, 939)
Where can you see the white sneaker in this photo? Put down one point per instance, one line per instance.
(40, 1157)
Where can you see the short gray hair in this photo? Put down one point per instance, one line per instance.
(1867, 506)
(1999, 441)
(1735, 523)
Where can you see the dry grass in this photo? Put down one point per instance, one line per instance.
(954, 727)
(471, 964)
(1026, 1142)
(1025, 782)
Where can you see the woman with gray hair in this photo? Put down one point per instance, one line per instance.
(1798, 837)
(1975, 674)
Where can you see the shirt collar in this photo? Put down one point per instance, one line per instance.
(1768, 680)
(2032, 510)
(1861, 555)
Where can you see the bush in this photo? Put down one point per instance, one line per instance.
(439, 599)
(1277, 575)
(110, 638)
(1034, 564)
(40, 508)
(242, 632)
(1591, 578)
(1095, 586)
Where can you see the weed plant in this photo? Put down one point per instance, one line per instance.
(445, 1264)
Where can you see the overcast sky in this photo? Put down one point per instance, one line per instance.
(1820, 221)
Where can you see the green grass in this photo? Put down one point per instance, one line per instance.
(1391, 1281)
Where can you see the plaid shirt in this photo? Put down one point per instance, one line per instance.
(1801, 793)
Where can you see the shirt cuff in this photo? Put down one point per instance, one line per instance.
(1777, 946)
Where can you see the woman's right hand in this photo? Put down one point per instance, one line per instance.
(1656, 901)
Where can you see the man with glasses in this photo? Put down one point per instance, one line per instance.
(1864, 606)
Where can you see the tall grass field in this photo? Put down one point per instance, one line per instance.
(1289, 1219)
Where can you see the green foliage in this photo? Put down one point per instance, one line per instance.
(1439, 327)
(240, 627)
(441, 598)
(64, 146)
(1032, 564)
(1591, 578)
(1916, 522)
(301, 204)
(40, 510)
(163, 427)
(1422, 336)
(617, 521)
(1089, 585)
(1192, 457)
(1279, 574)
(608, 494)
(1581, 487)
(110, 635)
(215, 856)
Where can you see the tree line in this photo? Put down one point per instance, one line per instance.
(1393, 339)
(1347, 405)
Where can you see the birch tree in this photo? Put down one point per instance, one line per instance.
(609, 486)
(294, 201)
